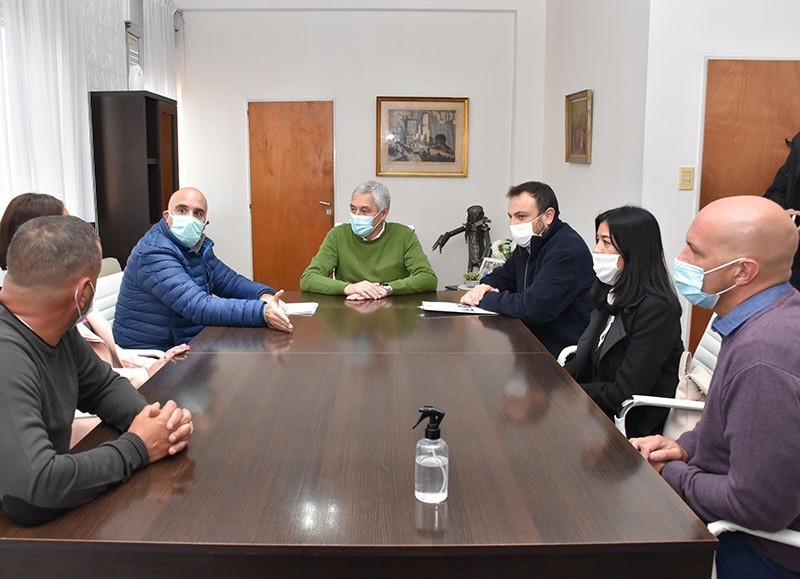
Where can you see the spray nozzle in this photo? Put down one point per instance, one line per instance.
(435, 416)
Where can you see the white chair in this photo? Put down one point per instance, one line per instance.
(786, 536)
(566, 353)
(708, 349)
(705, 355)
(109, 265)
(105, 303)
(106, 294)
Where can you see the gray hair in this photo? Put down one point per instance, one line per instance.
(379, 192)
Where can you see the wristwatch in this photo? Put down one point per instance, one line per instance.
(388, 289)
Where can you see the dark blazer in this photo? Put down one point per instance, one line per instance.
(639, 355)
(546, 287)
(785, 191)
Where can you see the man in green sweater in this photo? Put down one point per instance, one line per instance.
(371, 259)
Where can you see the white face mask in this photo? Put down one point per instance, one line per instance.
(523, 232)
(605, 267)
(82, 313)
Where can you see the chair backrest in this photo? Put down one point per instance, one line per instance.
(708, 348)
(109, 265)
(107, 291)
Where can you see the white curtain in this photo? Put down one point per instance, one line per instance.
(44, 104)
(158, 47)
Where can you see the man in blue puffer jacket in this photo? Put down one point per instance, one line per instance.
(174, 285)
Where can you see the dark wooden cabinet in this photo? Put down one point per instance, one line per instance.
(135, 143)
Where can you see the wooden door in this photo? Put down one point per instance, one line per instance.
(751, 107)
(291, 187)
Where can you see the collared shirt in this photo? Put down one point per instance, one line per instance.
(383, 227)
(729, 323)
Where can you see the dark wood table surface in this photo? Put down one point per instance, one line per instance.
(302, 465)
(390, 325)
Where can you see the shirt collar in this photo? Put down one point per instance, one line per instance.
(731, 321)
(383, 228)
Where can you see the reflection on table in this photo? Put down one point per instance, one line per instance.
(302, 465)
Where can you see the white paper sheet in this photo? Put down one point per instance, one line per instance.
(301, 308)
(453, 308)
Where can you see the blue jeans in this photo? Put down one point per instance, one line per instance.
(738, 559)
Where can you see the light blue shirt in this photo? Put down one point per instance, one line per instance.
(731, 321)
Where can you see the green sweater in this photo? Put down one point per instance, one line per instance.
(395, 257)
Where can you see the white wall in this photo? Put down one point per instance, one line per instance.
(683, 33)
(350, 54)
(600, 46)
(104, 39)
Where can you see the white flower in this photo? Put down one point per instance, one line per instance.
(503, 248)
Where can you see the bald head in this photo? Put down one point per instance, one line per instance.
(187, 201)
(744, 245)
(751, 227)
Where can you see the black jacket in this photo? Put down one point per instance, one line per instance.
(639, 355)
(785, 191)
(547, 287)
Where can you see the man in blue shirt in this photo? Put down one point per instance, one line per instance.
(740, 462)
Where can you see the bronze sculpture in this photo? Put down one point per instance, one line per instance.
(476, 233)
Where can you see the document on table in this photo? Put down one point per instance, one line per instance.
(453, 308)
(301, 308)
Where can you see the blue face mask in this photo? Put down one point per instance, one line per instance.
(362, 224)
(187, 229)
(689, 281)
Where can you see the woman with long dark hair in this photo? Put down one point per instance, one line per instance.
(633, 342)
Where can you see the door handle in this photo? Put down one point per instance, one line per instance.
(325, 203)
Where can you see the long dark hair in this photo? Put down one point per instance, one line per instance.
(23, 208)
(635, 234)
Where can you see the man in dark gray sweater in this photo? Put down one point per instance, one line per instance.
(49, 370)
(740, 463)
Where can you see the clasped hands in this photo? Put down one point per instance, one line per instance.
(275, 312)
(164, 431)
(474, 296)
(365, 290)
(658, 451)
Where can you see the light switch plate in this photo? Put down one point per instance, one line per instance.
(685, 178)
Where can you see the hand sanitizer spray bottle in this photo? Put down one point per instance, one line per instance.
(431, 468)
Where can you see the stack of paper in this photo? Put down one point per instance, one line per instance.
(301, 308)
(453, 308)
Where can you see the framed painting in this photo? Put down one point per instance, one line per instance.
(579, 127)
(422, 136)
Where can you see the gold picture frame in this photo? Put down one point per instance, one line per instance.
(578, 137)
(422, 136)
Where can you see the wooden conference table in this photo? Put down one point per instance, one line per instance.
(302, 464)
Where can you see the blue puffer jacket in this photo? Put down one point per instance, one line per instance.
(546, 287)
(170, 292)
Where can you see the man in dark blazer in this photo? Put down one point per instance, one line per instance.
(545, 281)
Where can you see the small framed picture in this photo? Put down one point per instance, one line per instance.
(488, 265)
(579, 127)
(422, 136)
